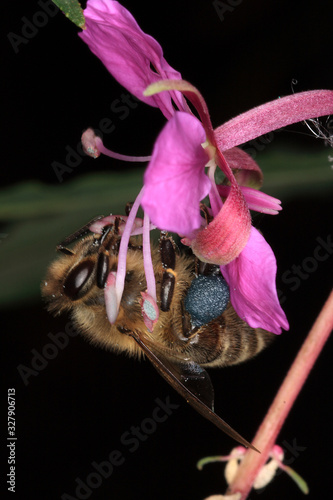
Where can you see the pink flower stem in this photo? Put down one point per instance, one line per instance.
(277, 413)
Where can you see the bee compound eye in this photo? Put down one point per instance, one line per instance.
(77, 278)
(206, 299)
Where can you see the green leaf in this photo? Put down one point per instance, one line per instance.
(73, 10)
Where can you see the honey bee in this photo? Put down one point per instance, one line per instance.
(197, 326)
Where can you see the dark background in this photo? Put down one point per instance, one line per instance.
(75, 409)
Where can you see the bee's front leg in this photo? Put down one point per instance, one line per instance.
(168, 259)
(109, 238)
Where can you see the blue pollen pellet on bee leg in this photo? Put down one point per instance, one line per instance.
(206, 299)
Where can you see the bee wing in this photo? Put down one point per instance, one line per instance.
(191, 381)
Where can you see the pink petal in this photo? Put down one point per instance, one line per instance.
(128, 53)
(226, 236)
(274, 115)
(246, 170)
(175, 180)
(256, 200)
(251, 278)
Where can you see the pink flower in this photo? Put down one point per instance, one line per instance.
(129, 54)
(175, 181)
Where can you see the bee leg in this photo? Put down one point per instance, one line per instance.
(188, 330)
(168, 258)
(183, 331)
(207, 269)
(108, 239)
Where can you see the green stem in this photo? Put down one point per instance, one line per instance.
(289, 390)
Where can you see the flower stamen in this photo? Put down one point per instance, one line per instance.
(93, 146)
